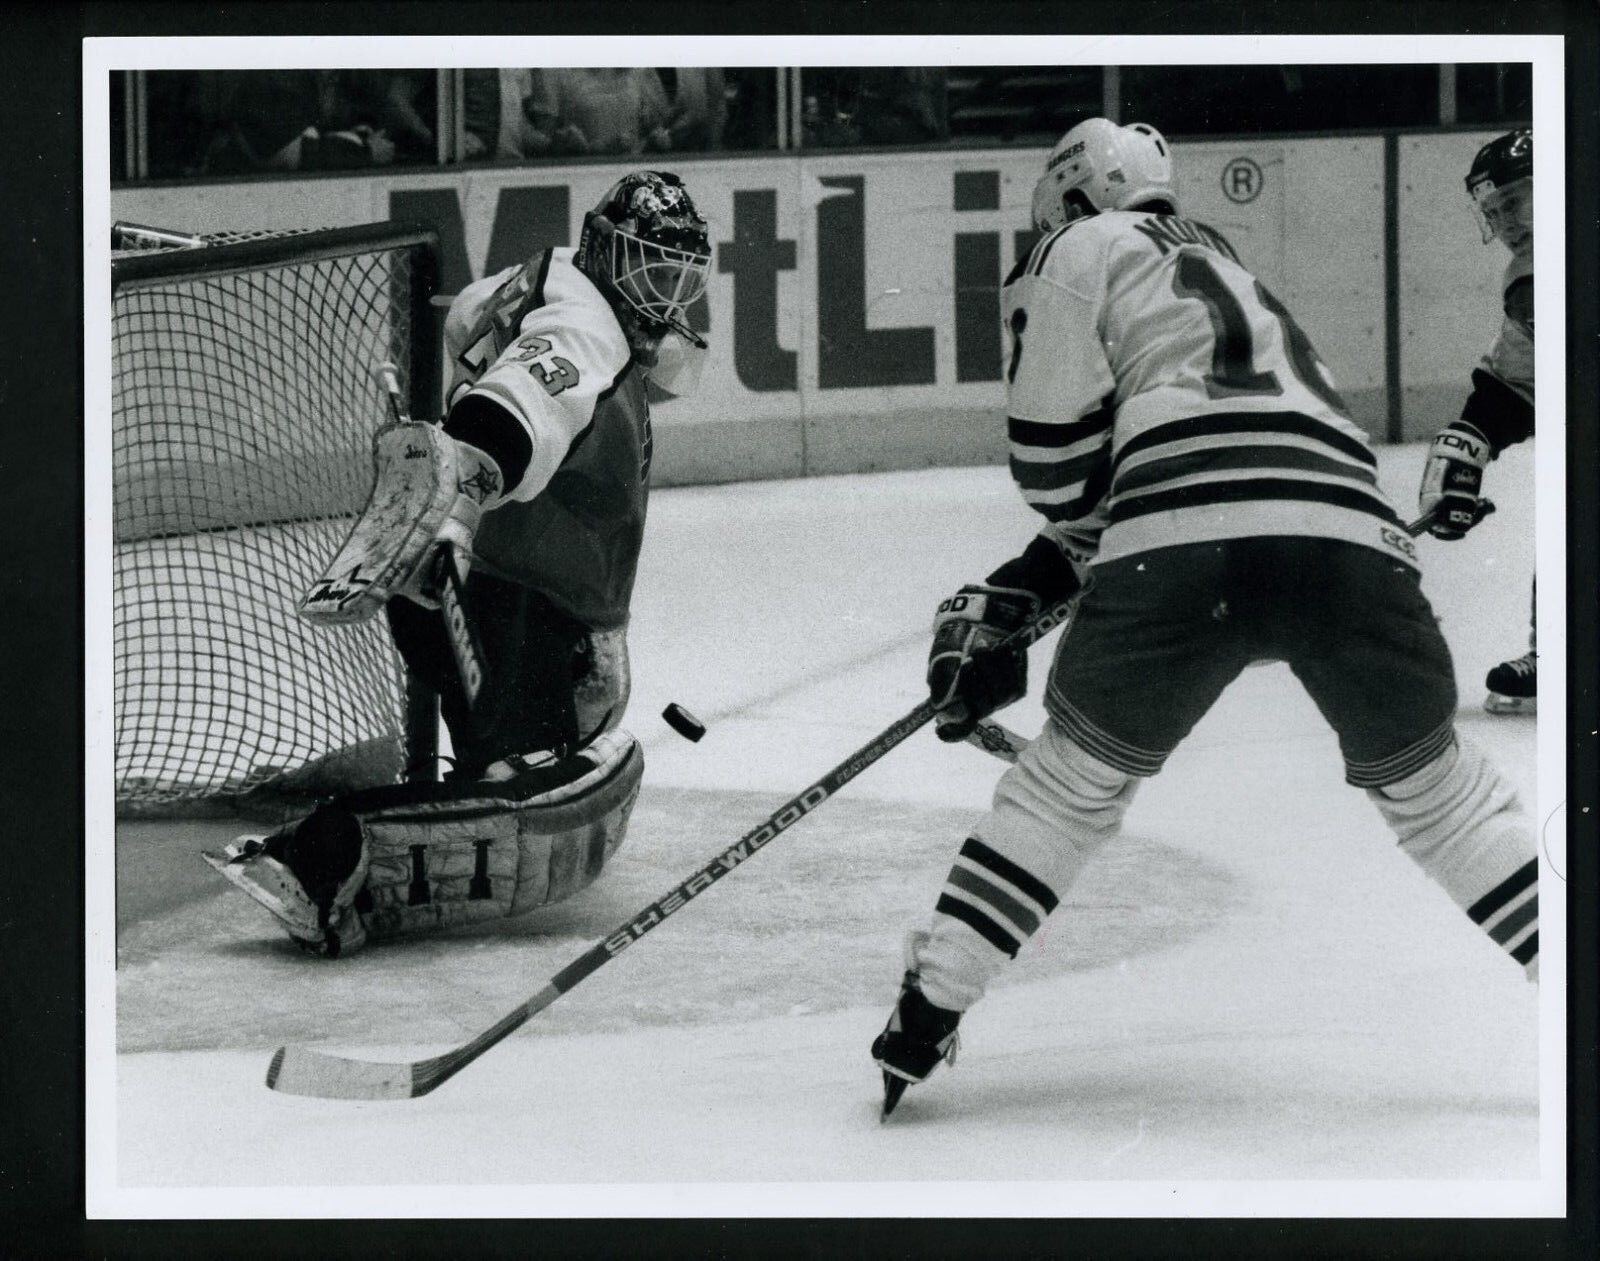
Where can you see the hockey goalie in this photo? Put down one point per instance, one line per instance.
(502, 546)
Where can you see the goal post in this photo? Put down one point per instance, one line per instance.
(243, 411)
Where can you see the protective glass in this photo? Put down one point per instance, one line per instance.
(659, 282)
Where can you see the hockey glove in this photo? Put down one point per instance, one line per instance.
(969, 674)
(1452, 480)
(429, 489)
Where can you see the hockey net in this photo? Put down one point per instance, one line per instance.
(243, 410)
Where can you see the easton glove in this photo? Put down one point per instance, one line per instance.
(1451, 494)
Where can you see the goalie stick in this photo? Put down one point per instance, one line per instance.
(444, 583)
(302, 1071)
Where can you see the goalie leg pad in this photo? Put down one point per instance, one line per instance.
(406, 858)
(600, 693)
(487, 850)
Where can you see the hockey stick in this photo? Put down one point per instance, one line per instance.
(1002, 742)
(302, 1071)
(1420, 525)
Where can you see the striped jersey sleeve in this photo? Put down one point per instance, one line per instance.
(1060, 396)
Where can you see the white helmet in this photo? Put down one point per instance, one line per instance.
(1101, 166)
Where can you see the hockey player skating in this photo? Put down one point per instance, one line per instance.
(1499, 411)
(503, 545)
(1206, 492)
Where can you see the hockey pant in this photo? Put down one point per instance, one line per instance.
(1456, 818)
(551, 683)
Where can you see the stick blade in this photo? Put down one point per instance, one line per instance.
(298, 1071)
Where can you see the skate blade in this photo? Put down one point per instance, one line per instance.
(269, 885)
(1494, 703)
(893, 1088)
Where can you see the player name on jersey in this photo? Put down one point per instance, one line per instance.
(1171, 231)
(1177, 400)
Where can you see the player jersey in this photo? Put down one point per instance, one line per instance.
(1158, 394)
(1511, 357)
(542, 342)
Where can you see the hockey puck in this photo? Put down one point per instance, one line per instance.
(683, 722)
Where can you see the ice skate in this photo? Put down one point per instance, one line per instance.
(917, 1037)
(1513, 685)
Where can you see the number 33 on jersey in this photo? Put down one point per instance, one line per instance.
(1160, 394)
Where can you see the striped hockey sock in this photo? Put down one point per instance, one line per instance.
(1053, 809)
(1509, 913)
(1462, 823)
(994, 897)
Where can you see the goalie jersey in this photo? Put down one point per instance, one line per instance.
(542, 342)
(1158, 394)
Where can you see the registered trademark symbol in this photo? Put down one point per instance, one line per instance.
(1242, 180)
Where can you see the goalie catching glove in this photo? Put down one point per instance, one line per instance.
(1451, 496)
(971, 671)
(430, 489)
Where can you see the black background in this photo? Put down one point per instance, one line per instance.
(41, 774)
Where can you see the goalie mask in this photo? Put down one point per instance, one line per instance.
(1100, 166)
(646, 249)
(1500, 183)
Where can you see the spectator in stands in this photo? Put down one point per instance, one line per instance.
(294, 120)
(828, 117)
(390, 102)
(621, 110)
(874, 105)
(699, 107)
(497, 124)
(903, 105)
(256, 120)
(751, 111)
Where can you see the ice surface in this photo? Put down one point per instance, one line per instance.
(1252, 984)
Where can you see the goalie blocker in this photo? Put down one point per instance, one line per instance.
(385, 862)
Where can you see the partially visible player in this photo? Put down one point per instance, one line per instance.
(1209, 503)
(1499, 411)
(538, 480)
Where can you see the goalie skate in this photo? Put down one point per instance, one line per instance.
(244, 864)
(421, 496)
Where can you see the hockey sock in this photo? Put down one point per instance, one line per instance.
(1463, 824)
(1051, 811)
